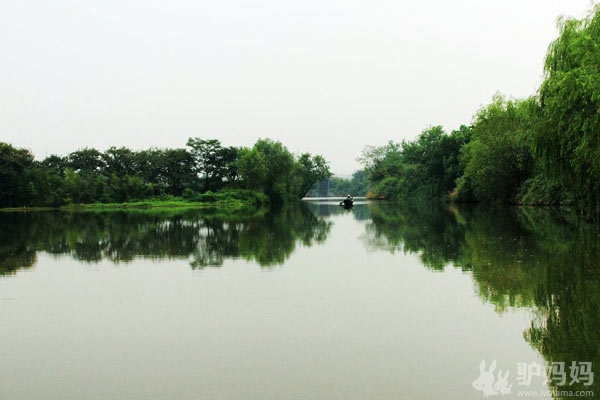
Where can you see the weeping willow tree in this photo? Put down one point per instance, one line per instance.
(568, 145)
(498, 158)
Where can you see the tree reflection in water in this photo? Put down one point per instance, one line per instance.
(541, 259)
(123, 236)
(538, 259)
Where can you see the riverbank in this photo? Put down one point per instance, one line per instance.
(227, 202)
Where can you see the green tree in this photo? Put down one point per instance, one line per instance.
(279, 168)
(86, 161)
(56, 164)
(252, 168)
(177, 170)
(424, 162)
(568, 146)
(45, 186)
(215, 165)
(148, 166)
(168, 171)
(310, 169)
(498, 158)
(424, 168)
(451, 149)
(14, 164)
(380, 162)
(73, 187)
(118, 161)
(279, 161)
(384, 169)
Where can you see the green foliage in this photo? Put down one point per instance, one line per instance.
(568, 146)
(424, 168)
(498, 158)
(121, 175)
(13, 164)
(542, 190)
(177, 171)
(252, 168)
(539, 150)
(247, 198)
(119, 161)
(390, 187)
(381, 162)
(269, 166)
(227, 201)
(86, 161)
(310, 169)
(451, 147)
(280, 163)
(215, 165)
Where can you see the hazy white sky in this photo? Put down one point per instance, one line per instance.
(323, 76)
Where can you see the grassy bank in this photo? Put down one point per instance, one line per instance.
(226, 202)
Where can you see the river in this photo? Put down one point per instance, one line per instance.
(383, 301)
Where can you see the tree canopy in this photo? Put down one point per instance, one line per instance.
(121, 174)
(544, 149)
(426, 167)
(568, 145)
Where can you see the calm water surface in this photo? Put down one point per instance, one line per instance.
(384, 301)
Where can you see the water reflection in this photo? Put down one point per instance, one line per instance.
(538, 259)
(428, 229)
(519, 257)
(330, 206)
(121, 237)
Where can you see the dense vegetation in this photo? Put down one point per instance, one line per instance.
(122, 175)
(541, 150)
(426, 167)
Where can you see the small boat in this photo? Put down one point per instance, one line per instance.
(347, 202)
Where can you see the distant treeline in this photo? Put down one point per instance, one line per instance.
(122, 175)
(541, 150)
(357, 185)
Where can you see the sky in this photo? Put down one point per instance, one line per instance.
(326, 77)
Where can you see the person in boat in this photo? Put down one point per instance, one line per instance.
(348, 201)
